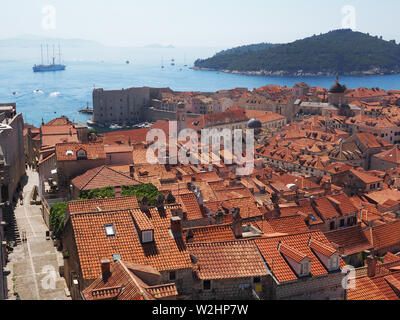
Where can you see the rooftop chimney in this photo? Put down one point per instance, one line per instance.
(118, 191)
(237, 223)
(219, 217)
(105, 269)
(371, 263)
(189, 236)
(131, 170)
(144, 205)
(176, 226)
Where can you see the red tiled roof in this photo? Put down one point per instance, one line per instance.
(166, 253)
(385, 235)
(124, 284)
(392, 155)
(103, 177)
(299, 242)
(349, 240)
(289, 224)
(292, 253)
(93, 151)
(190, 206)
(326, 250)
(96, 205)
(214, 233)
(227, 260)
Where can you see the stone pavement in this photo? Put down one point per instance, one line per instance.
(34, 263)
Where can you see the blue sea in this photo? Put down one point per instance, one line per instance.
(66, 92)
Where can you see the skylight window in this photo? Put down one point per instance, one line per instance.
(110, 230)
(116, 257)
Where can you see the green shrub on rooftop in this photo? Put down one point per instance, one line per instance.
(149, 191)
(107, 192)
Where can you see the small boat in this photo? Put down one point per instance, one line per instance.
(87, 110)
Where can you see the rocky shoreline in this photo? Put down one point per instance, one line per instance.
(301, 73)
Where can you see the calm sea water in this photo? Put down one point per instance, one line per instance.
(64, 93)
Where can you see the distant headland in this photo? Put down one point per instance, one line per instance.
(342, 52)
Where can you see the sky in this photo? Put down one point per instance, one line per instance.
(222, 23)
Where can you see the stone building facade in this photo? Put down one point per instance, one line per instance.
(3, 259)
(12, 159)
(124, 106)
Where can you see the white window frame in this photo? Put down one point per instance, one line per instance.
(110, 230)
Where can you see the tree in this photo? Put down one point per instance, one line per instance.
(57, 217)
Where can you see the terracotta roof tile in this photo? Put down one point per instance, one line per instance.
(214, 233)
(299, 242)
(68, 151)
(124, 284)
(103, 177)
(227, 260)
(349, 240)
(166, 253)
(95, 205)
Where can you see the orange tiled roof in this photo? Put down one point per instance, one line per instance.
(190, 206)
(214, 233)
(385, 235)
(227, 260)
(95, 205)
(289, 224)
(124, 284)
(103, 177)
(349, 240)
(166, 253)
(299, 242)
(93, 151)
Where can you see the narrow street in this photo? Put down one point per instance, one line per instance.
(34, 263)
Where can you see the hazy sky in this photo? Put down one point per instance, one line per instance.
(194, 23)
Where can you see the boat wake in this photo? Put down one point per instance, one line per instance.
(37, 91)
(54, 94)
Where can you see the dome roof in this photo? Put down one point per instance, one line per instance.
(254, 124)
(337, 87)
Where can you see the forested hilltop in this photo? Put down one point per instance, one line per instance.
(342, 52)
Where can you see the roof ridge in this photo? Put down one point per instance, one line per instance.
(95, 175)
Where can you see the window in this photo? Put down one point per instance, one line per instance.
(342, 223)
(81, 154)
(116, 257)
(332, 225)
(110, 230)
(207, 285)
(304, 268)
(334, 263)
(147, 236)
(172, 276)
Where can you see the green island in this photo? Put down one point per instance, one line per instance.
(343, 52)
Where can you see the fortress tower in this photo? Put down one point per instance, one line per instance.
(181, 117)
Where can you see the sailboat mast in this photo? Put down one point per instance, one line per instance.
(59, 52)
(47, 54)
(54, 55)
(41, 53)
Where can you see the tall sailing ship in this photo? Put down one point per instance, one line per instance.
(49, 66)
